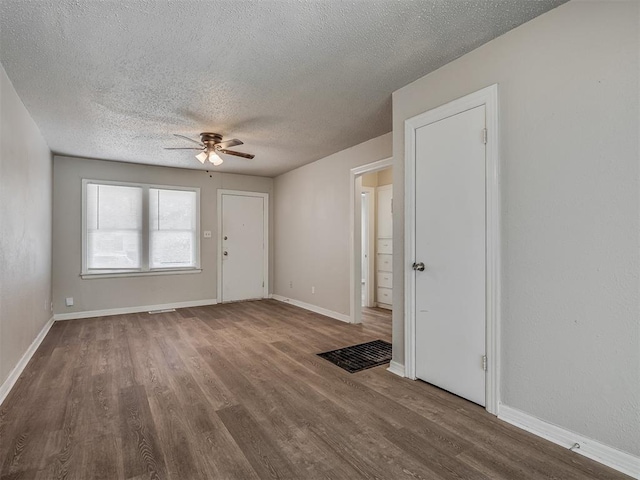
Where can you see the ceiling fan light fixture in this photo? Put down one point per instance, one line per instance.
(210, 144)
(215, 159)
(202, 157)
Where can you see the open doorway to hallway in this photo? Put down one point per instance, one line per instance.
(377, 245)
(372, 242)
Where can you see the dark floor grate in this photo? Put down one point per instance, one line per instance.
(360, 357)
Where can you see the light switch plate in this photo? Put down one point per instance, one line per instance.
(68, 301)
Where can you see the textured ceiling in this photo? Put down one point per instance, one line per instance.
(295, 80)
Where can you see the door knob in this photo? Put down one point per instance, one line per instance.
(227, 253)
(418, 266)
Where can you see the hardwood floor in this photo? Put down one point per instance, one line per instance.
(381, 316)
(236, 392)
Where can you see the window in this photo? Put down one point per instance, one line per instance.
(138, 229)
(172, 217)
(114, 227)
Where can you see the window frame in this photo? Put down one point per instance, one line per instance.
(145, 243)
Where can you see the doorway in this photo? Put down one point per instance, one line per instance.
(452, 248)
(366, 260)
(450, 242)
(242, 245)
(367, 239)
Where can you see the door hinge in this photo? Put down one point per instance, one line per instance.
(484, 363)
(485, 135)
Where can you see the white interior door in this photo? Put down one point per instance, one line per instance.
(451, 242)
(365, 248)
(243, 247)
(368, 220)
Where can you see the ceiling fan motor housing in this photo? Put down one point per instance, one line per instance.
(210, 139)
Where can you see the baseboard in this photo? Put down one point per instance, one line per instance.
(396, 368)
(137, 309)
(11, 380)
(385, 306)
(616, 459)
(314, 308)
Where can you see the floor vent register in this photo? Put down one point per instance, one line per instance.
(360, 357)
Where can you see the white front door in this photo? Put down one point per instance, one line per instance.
(450, 241)
(243, 241)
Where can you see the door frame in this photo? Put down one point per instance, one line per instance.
(265, 245)
(369, 295)
(489, 98)
(355, 311)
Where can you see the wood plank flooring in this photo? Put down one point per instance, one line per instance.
(236, 392)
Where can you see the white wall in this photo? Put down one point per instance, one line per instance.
(370, 179)
(109, 293)
(25, 229)
(379, 178)
(385, 177)
(312, 226)
(569, 129)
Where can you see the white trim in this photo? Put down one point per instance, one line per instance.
(396, 368)
(622, 461)
(137, 309)
(11, 380)
(489, 98)
(355, 288)
(265, 245)
(151, 273)
(313, 308)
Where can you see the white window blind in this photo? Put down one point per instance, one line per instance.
(114, 227)
(172, 228)
(139, 229)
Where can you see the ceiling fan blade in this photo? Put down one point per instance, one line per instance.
(237, 154)
(230, 143)
(183, 148)
(190, 139)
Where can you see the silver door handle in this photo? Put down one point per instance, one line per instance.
(418, 266)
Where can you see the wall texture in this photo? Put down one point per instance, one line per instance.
(312, 226)
(378, 179)
(385, 177)
(569, 113)
(25, 229)
(108, 293)
(370, 179)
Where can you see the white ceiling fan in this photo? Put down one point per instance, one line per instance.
(210, 145)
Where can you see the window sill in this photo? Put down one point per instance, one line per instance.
(152, 273)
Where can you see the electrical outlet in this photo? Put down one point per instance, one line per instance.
(291, 284)
(207, 234)
(313, 289)
(51, 306)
